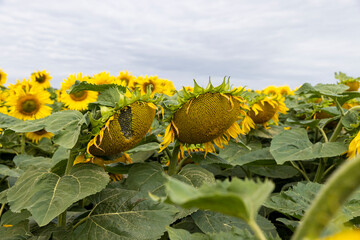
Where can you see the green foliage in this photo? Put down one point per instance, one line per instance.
(46, 194)
(295, 145)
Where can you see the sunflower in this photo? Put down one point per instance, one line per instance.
(3, 77)
(152, 84)
(168, 87)
(205, 116)
(102, 78)
(79, 100)
(262, 110)
(285, 91)
(270, 90)
(121, 128)
(38, 135)
(354, 146)
(348, 234)
(126, 78)
(41, 78)
(29, 102)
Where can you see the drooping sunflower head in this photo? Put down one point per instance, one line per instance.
(205, 116)
(263, 109)
(40, 78)
(38, 135)
(79, 100)
(27, 102)
(122, 127)
(3, 77)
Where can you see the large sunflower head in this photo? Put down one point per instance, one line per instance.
(79, 100)
(263, 109)
(122, 127)
(40, 78)
(205, 116)
(27, 102)
(3, 77)
(38, 135)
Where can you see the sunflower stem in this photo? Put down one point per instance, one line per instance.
(257, 230)
(301, 171)
(173, 159)
(22, 141)
(179, 166)
(2, 208)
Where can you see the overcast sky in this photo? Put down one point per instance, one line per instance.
(257, 43)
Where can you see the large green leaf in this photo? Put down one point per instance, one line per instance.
(8, 121)
(7, 171)
(110, 96)
(181, 234)
(11, 218)
(124, 214)
(330, 90)
(25, 161)
(238, 198)
(66, 126)
(214, 222)
(292, 145)
(81, 86)
(46, 194)
(295, 201)
(18, 232)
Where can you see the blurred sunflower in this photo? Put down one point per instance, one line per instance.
(3, 77)
(102, 78)
(285, 91)
(349, 234)
(41, 78)
(262, 110)
(126, 79)
(270, 90)
(205, 116)
(122, 127)
(152, 84)
(354, 146)
(79, 100)
(168, 87)
(38, 135)
(29, 102)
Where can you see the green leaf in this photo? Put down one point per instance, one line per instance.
(66, 126)
(18, 232)
(7, 171)
(275, 171)
(52, 232)
(123, 214)
(195, 175)
(330, 90)
(313, 123)
(351, 120)
(213, 222)
(110, 96)
(24, 162)
(82, 86)
(238, 198)
(292, 145)
(294, 201)
(10, 218)
(8, 121)
(152, 146)
(46, 194)
(180, 234)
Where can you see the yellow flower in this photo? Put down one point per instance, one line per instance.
(270, 90)
(168, 87)
(349, 234)
(264, 110)
(3, 77)
(354, 146)
(189, 89)
(40, 78)
(285, 91)
(29, 102)
(79, 100)
(206, 116)
(102, 78)
(38, 135)
(152, 84)
(126, 79)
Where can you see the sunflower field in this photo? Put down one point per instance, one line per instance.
(131, 157)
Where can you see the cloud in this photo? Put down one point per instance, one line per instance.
(257, 43)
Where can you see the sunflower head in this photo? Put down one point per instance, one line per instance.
(38, 135)
(28, 102)
(122, 127)
(270, 90)
(79, 100)
(125, 78)
(3, 77)
(102, 78)
(40, 78)
(204, 116)
(285, 91)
